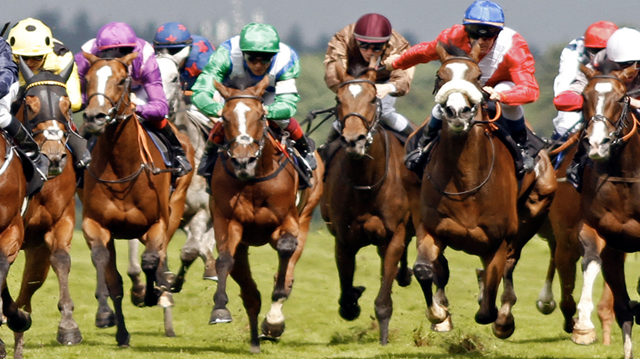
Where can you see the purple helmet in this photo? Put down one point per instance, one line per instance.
(172, 34)
(115, 34)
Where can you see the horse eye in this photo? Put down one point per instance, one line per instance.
(174, 79)
(121, 82)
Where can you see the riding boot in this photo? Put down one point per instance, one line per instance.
(520, 137)
(208, 162)
(180, 158)
(306, 147)
(415, 159)
(576, 167)
(23, 138)
(78, 147)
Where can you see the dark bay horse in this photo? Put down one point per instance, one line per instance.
(367, 195)
(611, 186)
(253, 203)
(50, 219)
(126, 192)
(471, 199)
(567, 243)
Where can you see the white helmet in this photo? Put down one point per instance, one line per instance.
(624, 45)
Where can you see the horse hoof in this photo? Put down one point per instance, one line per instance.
(349, 308)
(220, 316)
(123, 340)
(3, 350)
(20, 322)
(176, 284)
(170, 334)
(444, 326)
(210, 273)
(404, 277)
(546, 308)
(255, 349)
(151, 298)
(69, 336)
(137, 296)
(270, 331)
(583, 337)
(166, 300)
(106, 319)
(504, 329)
(350, 312)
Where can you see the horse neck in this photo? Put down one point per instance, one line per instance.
(624, 160)
(460, 155)
(120, 141)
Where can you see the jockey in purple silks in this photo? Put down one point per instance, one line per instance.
(117, 39)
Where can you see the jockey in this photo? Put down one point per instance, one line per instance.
(172, 38)
(32, 40)
(371, 35)
(117, 39)
(580, 50)
(244, 60)
(505, 61)
(623, 50)
(9, 87)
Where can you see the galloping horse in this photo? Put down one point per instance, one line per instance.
(50, 219)
(471, 199)
(253, 203)
(126, 192)
(367, 195)
(611, 187)
(567, 242)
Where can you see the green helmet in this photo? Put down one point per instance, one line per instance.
(259, 38)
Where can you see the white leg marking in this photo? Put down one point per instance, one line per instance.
(275, 315)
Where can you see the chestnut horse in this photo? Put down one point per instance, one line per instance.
(50, 219)
(567, 242)
(127, 193)
(471, 199)
(611, 186)
(253, 203)
(367, 195)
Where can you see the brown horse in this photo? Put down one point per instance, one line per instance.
(610, 186)
(50, 219)
(567, 242)
(126, 192)
(471, 199)
(367, 196)
(253, 203)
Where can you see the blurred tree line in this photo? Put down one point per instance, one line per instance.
(314, 94)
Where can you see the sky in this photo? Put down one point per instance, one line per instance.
(541, 22)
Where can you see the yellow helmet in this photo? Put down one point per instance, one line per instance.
(30, 37)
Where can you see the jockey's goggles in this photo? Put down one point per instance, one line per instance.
(476, 31)
(373, 46)
(34, 58)
(261, 57)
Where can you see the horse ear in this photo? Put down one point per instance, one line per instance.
(373, 63)
(90, 57)
(589, 72)
(129, 58)
(629, 73)
(443, 55)
(66, 73)
(262, 86)
(224, 90)
(182, 55)
(341, 73)
(475, 51)
(27, 74)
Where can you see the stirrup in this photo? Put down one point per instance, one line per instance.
(183, 165)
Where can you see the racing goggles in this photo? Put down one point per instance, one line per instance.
(372, 46)
(258, 57)
(476, 31)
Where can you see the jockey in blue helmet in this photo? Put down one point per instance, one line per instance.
(174, 37)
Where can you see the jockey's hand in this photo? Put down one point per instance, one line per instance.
(388, 62)
(493, 94)
(266, 109)
(384, 89)
(634, 102)
(133, 98)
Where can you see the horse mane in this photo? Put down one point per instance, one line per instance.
(454, 50)
(357, 70)
(607, 67)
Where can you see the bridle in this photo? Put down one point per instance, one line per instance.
(245, 140)
(112, 114)
(51, 133)
(371, 127)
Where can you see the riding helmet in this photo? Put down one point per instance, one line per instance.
(484, 12)
(372, 28)
(598, 33)
(172, 35)
(257, 37)
(30, 37)
(623, 45)
(115, 34)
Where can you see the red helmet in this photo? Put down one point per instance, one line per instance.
(598, 33)
(373, 28)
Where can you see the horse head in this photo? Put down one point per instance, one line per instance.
(244, 126)
(458, 86)
(606, 105)
(107, 88)
(46, 112)
(357, 108)
(169, 66)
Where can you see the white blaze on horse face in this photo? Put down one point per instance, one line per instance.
(355, 90)
(457, 70)
(243, 138)
(103, 76)
(599, 133)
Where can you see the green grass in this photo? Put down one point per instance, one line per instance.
(314, 328)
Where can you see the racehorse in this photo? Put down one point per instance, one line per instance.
(567, 242)
(471, 199)
(50, 218)
(253, 203)
(367, 195)
(611, 186)
(126, 193)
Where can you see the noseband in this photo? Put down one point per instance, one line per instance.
(371, 127)
(246, 139)
(112, 114)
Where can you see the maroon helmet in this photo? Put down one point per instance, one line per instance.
(372, 28)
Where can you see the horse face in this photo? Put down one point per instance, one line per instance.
(244, 127)
(170, 74)
(357, 107)
(604, 107)
(459, 93)
(51, 136)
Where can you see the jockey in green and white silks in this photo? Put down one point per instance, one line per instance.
(241, 62)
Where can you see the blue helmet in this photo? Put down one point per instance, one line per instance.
(485, 13)
(172, 35)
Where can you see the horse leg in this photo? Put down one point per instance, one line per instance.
(228, 240)
(36, 269)
(116, 292)
(606, 314)
(404, 272)
(546, 304)
(494, 266)
(207, 244)
(196, 230)
(613, 271)
(249, 293)
(138, 290)
(349, 295)
(153, 259)
(583, 330)
(426, 271)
